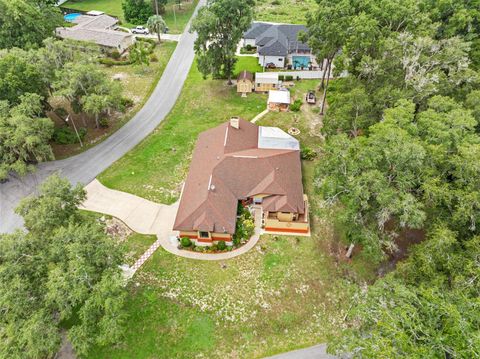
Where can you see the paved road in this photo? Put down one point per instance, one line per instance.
(315, 352)
(84, 167)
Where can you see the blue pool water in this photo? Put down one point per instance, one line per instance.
(71, 17)
(300, 61)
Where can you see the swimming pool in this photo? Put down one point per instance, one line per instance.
(71, 17)
(300, 61)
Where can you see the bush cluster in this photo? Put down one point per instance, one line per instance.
(295, 106)
(185, 242)
(65, 135)
(308, 154)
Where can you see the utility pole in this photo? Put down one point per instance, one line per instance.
(75, 128)
(174, 16)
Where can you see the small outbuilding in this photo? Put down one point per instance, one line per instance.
(266, 81)
(278, 100)
(245, 83)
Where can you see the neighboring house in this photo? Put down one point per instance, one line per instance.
(98, 29)
(278, 100)
(266, 81)
(278, 45)
(240, 161)
(245, 82)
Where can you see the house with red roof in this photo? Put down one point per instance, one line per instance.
(239, 161)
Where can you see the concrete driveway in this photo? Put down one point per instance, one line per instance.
(84, 167)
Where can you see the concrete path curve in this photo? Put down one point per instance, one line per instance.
(148, 217)
(83, 168)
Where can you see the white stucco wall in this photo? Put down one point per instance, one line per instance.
(250, 42)
(279, 61)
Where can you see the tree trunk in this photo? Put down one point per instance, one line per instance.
(350, 251)
(156, 7)
(322, 84)
(229, 82)
(96, 121)
(329, 66)
(158, 35)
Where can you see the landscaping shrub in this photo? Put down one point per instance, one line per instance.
(275, 2)
(221, 245)
(308, 154)
(65, 135)
(111, 62)
(281, 77)
(288, 78)
(295, 106)
(185, 242)
(153, 58)
(298, 78)
(103, 122)
(125, 103)
(245, 226)
(114, 54)
(248, 47)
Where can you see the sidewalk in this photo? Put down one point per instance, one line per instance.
(148, 217)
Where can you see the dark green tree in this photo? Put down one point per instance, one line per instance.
(26, 24)
(220, 26)
(24, 135)
(64, 270)
(138, 11)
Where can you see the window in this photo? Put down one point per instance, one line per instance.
(273, 85)
(204, 234)
(281, 60)
(258, 85)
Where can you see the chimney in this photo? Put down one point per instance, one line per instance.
(235, 122)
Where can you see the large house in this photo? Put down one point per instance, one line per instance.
(278, 45)
(99, 29)
(240, 161)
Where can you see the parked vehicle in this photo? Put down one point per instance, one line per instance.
(140, 30)
(310, 97)
(270, 65)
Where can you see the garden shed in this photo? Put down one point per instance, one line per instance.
(245, 83)
(265, 81)
(279, 100)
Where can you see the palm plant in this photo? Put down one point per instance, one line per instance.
(156, 24)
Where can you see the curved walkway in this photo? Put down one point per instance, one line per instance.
(84, 167)
(147, 217)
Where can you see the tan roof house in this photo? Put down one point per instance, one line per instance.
(240, 161)
(245, 83)
(265, 81)
(278, 100)
(98, 29)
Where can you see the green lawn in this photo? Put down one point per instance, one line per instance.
(285, 296)
(114, 8)
(286, 11)
(248, 63)
(156, 167)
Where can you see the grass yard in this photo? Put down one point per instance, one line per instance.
(248, 63)
(285, 11)
(156, 167)
(138, 83)
(284, 294)
(175, 23)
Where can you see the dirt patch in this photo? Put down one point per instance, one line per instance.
(116, 229)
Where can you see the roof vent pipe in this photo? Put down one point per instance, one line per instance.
(235, 122)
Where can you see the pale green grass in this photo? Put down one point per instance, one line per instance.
(285, 296)
(156, 167)
(285, 11)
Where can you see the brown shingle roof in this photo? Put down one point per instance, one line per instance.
(227, 166)
(245, 75)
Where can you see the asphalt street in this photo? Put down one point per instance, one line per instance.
(84, 167)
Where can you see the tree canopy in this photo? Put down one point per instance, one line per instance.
(63, 274)
(401, 153)
(220, 26)
(26, 24)
(138, 11)
(24, 135)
